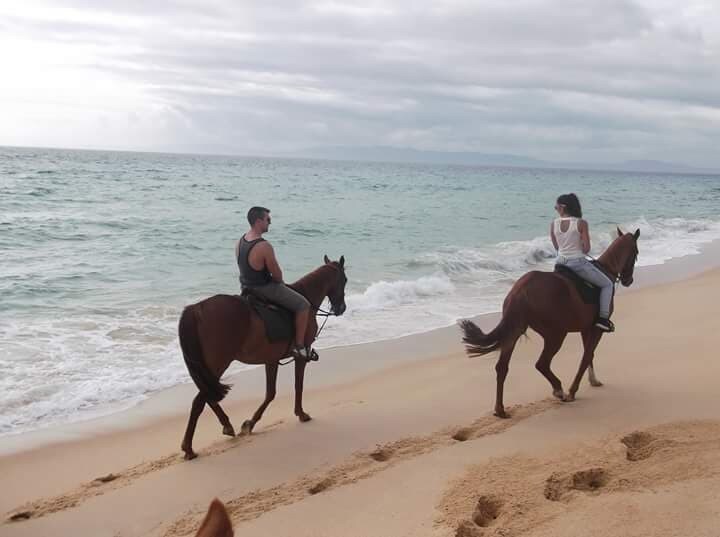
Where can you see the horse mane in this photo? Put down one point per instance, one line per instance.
(303, 283)
(609, 258)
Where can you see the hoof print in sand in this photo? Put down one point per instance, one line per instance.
(381, 454)
(591, 479)
(321, 485)
(22, 515)
(463, 434)
(468, 528)
(641, 445)
(104, 479)
(558, 485)
(486, 510)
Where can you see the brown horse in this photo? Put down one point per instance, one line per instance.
(551, 305)
(223, 328)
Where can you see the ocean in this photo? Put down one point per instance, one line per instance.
(101, 251)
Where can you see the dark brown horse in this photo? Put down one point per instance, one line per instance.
(551, 305)
(223, 328)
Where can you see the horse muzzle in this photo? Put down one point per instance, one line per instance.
(627, 282)
(340, 309)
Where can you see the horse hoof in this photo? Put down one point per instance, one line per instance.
(228, 430)
(303, 417)
(569, 398)
(596, 384)
(247, 427)
(190, 455)
(502, 414)
(559, 394)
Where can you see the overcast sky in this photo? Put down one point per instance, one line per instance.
(600, 80)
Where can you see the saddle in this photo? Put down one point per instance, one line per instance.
(279, 322)
(589, 293)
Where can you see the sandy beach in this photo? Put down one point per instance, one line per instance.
(403, 442)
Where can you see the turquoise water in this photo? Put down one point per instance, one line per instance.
(101, 250)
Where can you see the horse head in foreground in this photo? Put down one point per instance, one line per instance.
(223, 328)
(216, 522)
(551, 305)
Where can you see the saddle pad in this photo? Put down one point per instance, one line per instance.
(589, 293)
(279, 322)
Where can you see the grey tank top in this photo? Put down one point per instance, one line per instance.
(249, 276)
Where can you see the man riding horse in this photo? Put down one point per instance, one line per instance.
(261, 274)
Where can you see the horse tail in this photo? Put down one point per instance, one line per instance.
(210, 387)
(477, 343)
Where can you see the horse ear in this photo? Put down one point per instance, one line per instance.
(620, 233)
(327, 260)
(217, 522)
(637, 234)
(342, 261)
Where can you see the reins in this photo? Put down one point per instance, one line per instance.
(615, 277)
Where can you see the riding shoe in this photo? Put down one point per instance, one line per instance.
(606, 325)
(305, 353)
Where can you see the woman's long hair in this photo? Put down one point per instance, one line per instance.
(571, 204)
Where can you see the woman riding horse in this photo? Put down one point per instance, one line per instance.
(551, 304)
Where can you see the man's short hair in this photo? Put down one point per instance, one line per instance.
(256, 213)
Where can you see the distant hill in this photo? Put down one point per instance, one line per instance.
(399, 154)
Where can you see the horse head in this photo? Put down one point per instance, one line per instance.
(627, 255)
(336, 289)
(217, 522)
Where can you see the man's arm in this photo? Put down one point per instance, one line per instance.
(271, 262)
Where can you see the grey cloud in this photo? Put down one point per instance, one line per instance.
(536, 75)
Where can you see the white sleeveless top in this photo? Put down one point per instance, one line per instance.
(569, 244)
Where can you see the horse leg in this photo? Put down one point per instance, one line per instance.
(590, 340)
(550, 348)
(196, 409)
(224, 420)
(271, 371)
(591, 376)
(591, 369)
(299, 378)
(501, 368)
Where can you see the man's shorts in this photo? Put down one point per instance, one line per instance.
(279, 293)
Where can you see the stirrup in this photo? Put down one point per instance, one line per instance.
(305, 353)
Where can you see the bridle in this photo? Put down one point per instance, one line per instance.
(321, 313)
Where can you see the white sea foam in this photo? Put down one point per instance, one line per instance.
(60, 370)
(469, 281)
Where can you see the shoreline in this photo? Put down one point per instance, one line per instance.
(338, 365)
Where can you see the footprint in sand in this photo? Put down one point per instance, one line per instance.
(22, 515)
(558, 485)
(381, 454)
(104, 479)
(486, 511)
(468, 528)
(641, 445)
(463, 434)
(321, 485)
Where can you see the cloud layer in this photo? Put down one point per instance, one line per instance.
(600, 80)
